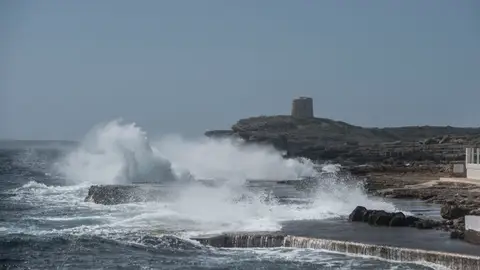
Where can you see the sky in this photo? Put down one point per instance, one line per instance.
(189, 66)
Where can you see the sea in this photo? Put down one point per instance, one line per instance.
(45, 222)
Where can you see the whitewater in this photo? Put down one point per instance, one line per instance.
(118, 153)
(44, 191)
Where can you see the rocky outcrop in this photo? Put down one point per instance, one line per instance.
(452, 211)
(219, 133)
(456, 227)
(119, 194)
(326, 139)
(458, 200)
(441, 192)
(391, 219)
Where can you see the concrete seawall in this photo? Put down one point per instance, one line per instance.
(269, 240)
(472, 229)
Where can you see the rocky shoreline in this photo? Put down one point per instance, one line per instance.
(323, 139)
(454, 221)
(457, 197)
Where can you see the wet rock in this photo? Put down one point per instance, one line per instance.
(427, 224)
(398, 220)
(410, 221)
(453, 211)
(366, 215)
(391, 219)
(374, 214)
(119, 194)
(457, 234)
(475, 212)
(357, 214)
(459, 223)
(380, 218)
(112, 194)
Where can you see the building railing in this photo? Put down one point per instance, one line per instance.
(472, 156)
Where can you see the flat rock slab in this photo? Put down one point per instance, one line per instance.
(343, 230)
(118, 194)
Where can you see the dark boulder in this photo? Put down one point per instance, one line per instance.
(457, 234)
(410, 221)
(379, 218)
(398, 220)
(382, 218)
(391, 219)
(119, 194)
(366, 215)
(427, 224)
(112, 194)
(357, 214)
(453, 211)
(459, 223)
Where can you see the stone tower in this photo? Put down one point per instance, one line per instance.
(302, 107)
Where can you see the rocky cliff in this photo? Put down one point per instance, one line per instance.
(326, 139)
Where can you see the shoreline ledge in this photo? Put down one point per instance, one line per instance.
(277, 239)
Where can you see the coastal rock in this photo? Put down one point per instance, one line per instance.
(458, 199)
(457, 234)
(402, 148)
(453, 211)
(459, 223)
(398, 220)
(391, 219)
(380, 218)
(357, 214)
(427, 224)
(475, 212)
(410, 221)
(113, 194)
(456, 228)
(120, 194)
(366, 215)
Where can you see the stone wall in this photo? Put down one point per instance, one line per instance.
(302, 107)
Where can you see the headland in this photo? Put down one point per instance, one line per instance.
(411, 162)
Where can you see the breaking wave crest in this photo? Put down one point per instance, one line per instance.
(115, 153)
(118, 153)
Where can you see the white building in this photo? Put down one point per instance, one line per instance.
(472, 163)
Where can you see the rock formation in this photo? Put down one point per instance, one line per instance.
(325, 139)
(395, 219)
(119, 194)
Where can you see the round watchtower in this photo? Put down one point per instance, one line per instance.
(302, 107)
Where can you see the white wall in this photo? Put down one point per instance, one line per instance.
(472, 223)
(472, 163)
(473, 171)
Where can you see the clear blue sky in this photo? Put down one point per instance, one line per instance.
(188, 66)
